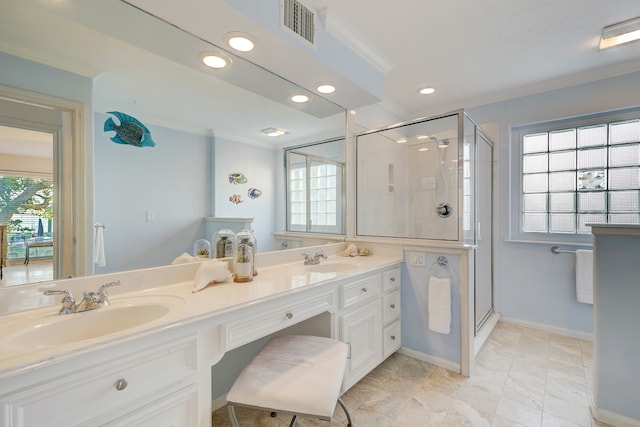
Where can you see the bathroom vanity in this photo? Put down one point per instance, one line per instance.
(95, 368)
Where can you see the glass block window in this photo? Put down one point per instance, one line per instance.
(314, 194)
(578, 173)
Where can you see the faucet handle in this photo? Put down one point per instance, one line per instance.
(320, 254)
(68, 301)
(68, 297)
(103, 288)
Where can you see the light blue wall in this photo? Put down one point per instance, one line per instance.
(416, 334)
(533, 284)
(259, 165)
(171, 179)
(32, 76)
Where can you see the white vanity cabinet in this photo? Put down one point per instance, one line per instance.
(161, 376)
(369, 322)
(146, 379)
(391, 310)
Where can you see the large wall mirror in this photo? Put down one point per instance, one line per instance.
(112, 56)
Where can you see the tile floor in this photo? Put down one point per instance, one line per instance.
(36, 271)
(524, 377)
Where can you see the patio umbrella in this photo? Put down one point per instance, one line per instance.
(40, 228)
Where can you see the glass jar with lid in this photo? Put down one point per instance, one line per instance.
(223, 242)
(202, 249)
(247, 237)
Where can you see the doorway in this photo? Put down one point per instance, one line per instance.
(38, 144)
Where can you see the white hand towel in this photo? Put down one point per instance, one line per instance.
(584, 276)
(98, 246)
(439, 305)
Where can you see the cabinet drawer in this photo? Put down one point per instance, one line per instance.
(269, 319)
(391, 338)
(91, 392)
(360, 290)
(391, 307)
(391, 280)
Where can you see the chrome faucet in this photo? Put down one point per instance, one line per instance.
(90, 300)
(315, 260)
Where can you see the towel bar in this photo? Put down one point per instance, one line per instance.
(556, 250)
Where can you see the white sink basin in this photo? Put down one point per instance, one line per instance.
(118, 317)
(336, 267)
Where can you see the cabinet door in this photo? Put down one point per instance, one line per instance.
(361, 330)
(178, 408)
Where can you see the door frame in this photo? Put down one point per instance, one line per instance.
(69, 156)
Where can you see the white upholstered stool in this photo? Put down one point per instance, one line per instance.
(293, 374)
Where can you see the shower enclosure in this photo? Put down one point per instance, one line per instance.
(430, 182)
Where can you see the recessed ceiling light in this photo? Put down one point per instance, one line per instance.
(620, 33)
(426, 90)
(401, 140)
(300, 98)
(241, 42)
(274, 132)
(423, 149)
(215, 59)
(422, 137)
(353, 112)
(326, 88)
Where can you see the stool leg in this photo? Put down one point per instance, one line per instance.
(293, 421)
(346, 412)
(232, 416)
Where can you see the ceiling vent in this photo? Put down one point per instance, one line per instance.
(299, 19)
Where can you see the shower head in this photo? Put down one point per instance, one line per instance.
(444, 143)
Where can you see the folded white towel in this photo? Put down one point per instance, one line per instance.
(584, 276)
(99, 256)
(210, 272)
(439, 305)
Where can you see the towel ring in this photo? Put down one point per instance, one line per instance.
(441, 262)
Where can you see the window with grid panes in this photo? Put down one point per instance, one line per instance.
(573, 175)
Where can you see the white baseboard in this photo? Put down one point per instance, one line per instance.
(218, 402)
(549, 328)
(434, 360)
(613, 419)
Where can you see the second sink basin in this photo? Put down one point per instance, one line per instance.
(118, 317)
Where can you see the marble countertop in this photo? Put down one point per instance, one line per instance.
(185, 307)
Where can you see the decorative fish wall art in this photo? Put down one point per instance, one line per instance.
(237, 178)
(254, 193)
(130, 131)
(236, 199)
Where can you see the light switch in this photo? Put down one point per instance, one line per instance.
(151, 216)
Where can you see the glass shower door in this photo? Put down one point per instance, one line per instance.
(484, 248)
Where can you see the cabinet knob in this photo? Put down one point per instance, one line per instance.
(393, 337)
(289, 315)
(121, 384)
(393, 279)
(392, 306)
(364, 290)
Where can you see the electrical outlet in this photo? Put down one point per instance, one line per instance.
(417, 259)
